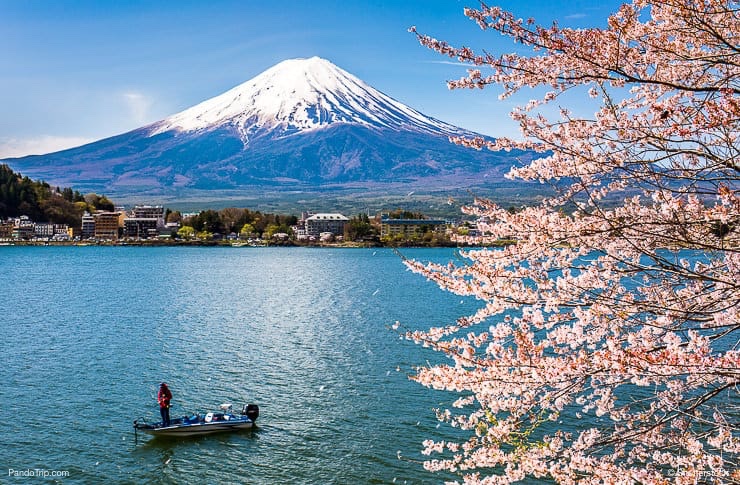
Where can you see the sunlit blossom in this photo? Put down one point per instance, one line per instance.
(617, 310)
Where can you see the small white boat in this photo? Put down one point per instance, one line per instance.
(203, 424)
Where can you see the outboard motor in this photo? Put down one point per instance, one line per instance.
(252, 411)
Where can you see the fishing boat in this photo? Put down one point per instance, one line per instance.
(203, 423)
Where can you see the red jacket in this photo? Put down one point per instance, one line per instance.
(164, 397)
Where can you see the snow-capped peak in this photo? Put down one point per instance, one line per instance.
(299, 95)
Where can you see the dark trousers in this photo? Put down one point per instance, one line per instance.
(165, 412)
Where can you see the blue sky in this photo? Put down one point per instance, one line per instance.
(75, 71)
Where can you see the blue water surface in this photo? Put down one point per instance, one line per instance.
(89, 332)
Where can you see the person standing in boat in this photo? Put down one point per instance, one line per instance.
(164, 397)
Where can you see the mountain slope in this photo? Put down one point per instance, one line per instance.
(301, 123)
(301, 95)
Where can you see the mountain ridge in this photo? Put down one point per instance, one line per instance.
(301, 124)
(306, 94)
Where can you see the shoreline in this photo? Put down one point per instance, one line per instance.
(229, 244)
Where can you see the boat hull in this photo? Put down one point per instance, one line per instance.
(199, 424)
(197, 429)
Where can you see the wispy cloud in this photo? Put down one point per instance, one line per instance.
(576, 16)
(448, 63)
(138, 105)
(19, 147)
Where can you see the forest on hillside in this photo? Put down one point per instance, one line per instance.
(21, 196)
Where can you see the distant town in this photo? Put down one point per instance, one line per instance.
(154, 224)
(35, 213)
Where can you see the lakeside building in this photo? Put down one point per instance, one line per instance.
(88, 226)
(300, 233)
(169, 228)
(23, 228)
(140, 227)
(318, 223)
(148, 222)
(409, 228)
(50, 230)
(145, 221)
(43, 229)
(106, 225)
(148, 212)
(6, 229)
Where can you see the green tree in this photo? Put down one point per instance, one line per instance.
(68, 194)
(208, 220)
(97, 202)
(359, 227)
(405, 214)
(270, 231)
(186, 232)
(204, 235)
(246, 231)
(230, 218)
(173, 216)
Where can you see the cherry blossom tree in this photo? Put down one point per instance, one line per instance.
(606, 345)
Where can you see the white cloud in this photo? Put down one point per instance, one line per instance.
(39, 145)
(135, 106)
(449, 63)
(138, 105)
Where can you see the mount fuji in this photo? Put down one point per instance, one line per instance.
(303, 124)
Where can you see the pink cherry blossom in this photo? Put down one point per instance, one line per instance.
(605, 348)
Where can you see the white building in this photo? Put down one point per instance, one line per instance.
(88, 225)
(318, 223)
(51, 230)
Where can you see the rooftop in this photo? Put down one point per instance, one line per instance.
(385, 220)
(327, 217)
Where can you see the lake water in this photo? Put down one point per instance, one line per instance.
(89, 332)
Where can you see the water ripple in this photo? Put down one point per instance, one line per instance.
(300, 332)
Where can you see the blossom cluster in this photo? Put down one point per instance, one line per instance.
(606, 346)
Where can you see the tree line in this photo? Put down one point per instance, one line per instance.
(226, 221)
(21, 196)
